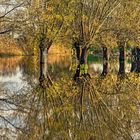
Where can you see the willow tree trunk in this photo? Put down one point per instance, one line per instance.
(82, 67)
(135, 60)
(77, 48)
(121, 60)
(105, 61)
(42, 59)
(83, 58)
(77, 73)
(81, 53)
(138, 60)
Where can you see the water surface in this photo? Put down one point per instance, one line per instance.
(63, 110)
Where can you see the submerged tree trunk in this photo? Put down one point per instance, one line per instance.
(77, 73)
(42, 73)
(105, 62)
(121, 60)
(138, 60)
(135, 60)
(42, 59)
(82, 68)
(44, 78)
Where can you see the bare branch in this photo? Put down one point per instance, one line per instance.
(17, 6)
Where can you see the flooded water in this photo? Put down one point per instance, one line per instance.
(20, 73)
(102, 108)
(14, 71)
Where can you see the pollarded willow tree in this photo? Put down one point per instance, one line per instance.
(134, 40)
(39, 20)
(44, 19)
(88, 19)
(120, 30)
(91, 19)
(44, 23)
(127, 28)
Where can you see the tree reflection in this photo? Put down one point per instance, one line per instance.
(8, 66)
(85, 111)
(135, 60)
(105, 62)
(85, 108)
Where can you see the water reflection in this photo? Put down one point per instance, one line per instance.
(88, 110)
(11, 74)
(18, 72)
(8, 66)
(94, 109)
(113, 67)
(13, 82)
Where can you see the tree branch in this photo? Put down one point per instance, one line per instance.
(6, 31)
(17, 6)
